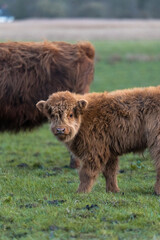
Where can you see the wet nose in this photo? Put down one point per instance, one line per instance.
(60, 130)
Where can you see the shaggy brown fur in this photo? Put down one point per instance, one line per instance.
(99, 127)
(31, 71)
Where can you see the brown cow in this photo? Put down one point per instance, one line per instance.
(31, 71)
(99, 127)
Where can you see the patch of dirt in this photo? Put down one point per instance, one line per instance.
(29, 205)
(56, 202)
(91, 207)
(23, 165)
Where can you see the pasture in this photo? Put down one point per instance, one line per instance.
(80, 29)
(38, 198)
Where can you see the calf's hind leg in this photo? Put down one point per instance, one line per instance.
(110, 173)
(157, 184)
(155, 153)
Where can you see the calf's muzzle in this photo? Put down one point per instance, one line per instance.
(60, 130)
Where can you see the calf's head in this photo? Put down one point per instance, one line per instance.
(64, 110)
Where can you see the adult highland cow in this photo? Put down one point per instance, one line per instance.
(31, 71)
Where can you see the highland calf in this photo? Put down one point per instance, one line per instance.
(31, 71)
(99, 127)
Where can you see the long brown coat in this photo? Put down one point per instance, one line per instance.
(99, 127)
(31, 71)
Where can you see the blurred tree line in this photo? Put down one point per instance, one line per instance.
(82, 8)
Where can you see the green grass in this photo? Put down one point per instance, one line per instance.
(111, 75)
(27, 209)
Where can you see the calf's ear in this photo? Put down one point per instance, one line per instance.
(44, 107)
(82, 104)
(41, 105)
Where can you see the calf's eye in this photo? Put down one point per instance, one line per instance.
(71, 115)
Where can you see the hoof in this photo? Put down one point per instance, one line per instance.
(82, 189)
(113, 190)
(156, 193)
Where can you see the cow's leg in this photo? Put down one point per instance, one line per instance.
(87, 174)
(110, 173)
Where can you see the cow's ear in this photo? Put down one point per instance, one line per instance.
(82, 104)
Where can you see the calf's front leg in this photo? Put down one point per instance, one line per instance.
(74, 162)
(110, 173)
(87, 175)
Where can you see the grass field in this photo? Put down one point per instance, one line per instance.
(38, 198)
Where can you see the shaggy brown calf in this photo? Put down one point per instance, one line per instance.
(31, 71)
(99, 127)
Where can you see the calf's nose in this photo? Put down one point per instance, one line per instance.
(60, 130)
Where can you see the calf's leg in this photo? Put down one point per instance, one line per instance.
(110, 173)
(74, 161)
(155, 153)
(87, 175)
(157, 184)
